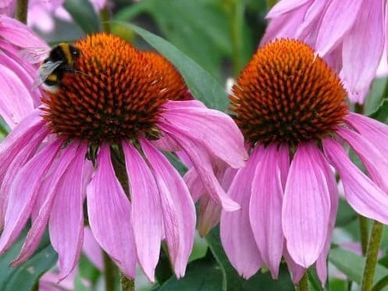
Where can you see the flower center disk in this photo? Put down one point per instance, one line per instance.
(287, 94)
(114, 92)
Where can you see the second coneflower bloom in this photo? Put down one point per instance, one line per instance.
(94, 141)
(291, 108)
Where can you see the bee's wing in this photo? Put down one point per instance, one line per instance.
(34, 55)
(44, 71)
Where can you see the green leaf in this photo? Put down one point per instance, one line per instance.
(25, 276)
(232, 281)
(83, 14)
(88, 272)
(352, 265)
(202, 85)
(203, 274)
(376, 95)
(381, 113)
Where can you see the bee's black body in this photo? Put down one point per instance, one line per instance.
(59, 61)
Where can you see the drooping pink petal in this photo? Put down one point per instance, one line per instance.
(375, 162)
(362, 48)
(15, 101)
(66, 224)
(177, 208)
(215, 130)
(285, 6)
(265, 206)
(92, 250)
(19, 34)
(284, 26)
(194, 183)
(14, 143)
(23, 193)
(209, 217)
(296, 271)
(370, 129)
(55, 187)
(235, 229)
(146, 210)
(109, 213)
(360, 192)
(12, 166)
(337, 20)
(321, 264)
(202, 164)
(306, 206)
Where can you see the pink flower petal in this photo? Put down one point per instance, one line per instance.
(16, 102)
(337, 20)
(92, 250)
(146, 210)
(213, 129)
(362, 47)
(296, 271)
(209, 217)
(18, 34)
(361, 193)
(194, 183)
(23, 193)
(265, 206)
(202, 164)
(12, 164)
(66, 235)
(321, 264)
(375, 162)
(55, 187)
(177, 208)
(283, 26)
(109, 212)
(286, 6)
(14, 143)
(306, 206)
(371, 130)
(235, 229)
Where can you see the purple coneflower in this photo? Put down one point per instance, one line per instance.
(349, 35)
(94, 141)
(291, 107)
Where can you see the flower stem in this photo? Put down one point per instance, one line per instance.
(105, 19)
(363, 225)
(109, 273)
(371, 256)
(127, 284)
(304, 283)
(21, 10)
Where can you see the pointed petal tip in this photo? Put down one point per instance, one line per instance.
(230, 205)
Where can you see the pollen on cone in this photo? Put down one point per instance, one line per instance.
(115, 92)
(287, 94)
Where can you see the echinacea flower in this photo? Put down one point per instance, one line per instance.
(18, 96)
(349, 35)
(291, 108)
(94, 141)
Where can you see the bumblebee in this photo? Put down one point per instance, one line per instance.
(60, 60)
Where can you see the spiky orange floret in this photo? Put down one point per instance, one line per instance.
(287, 94)
(116, 92)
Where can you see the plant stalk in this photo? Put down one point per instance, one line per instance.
(109, 273)
(21, 10)
(371, 256)
(304, 283)
(127, 284)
